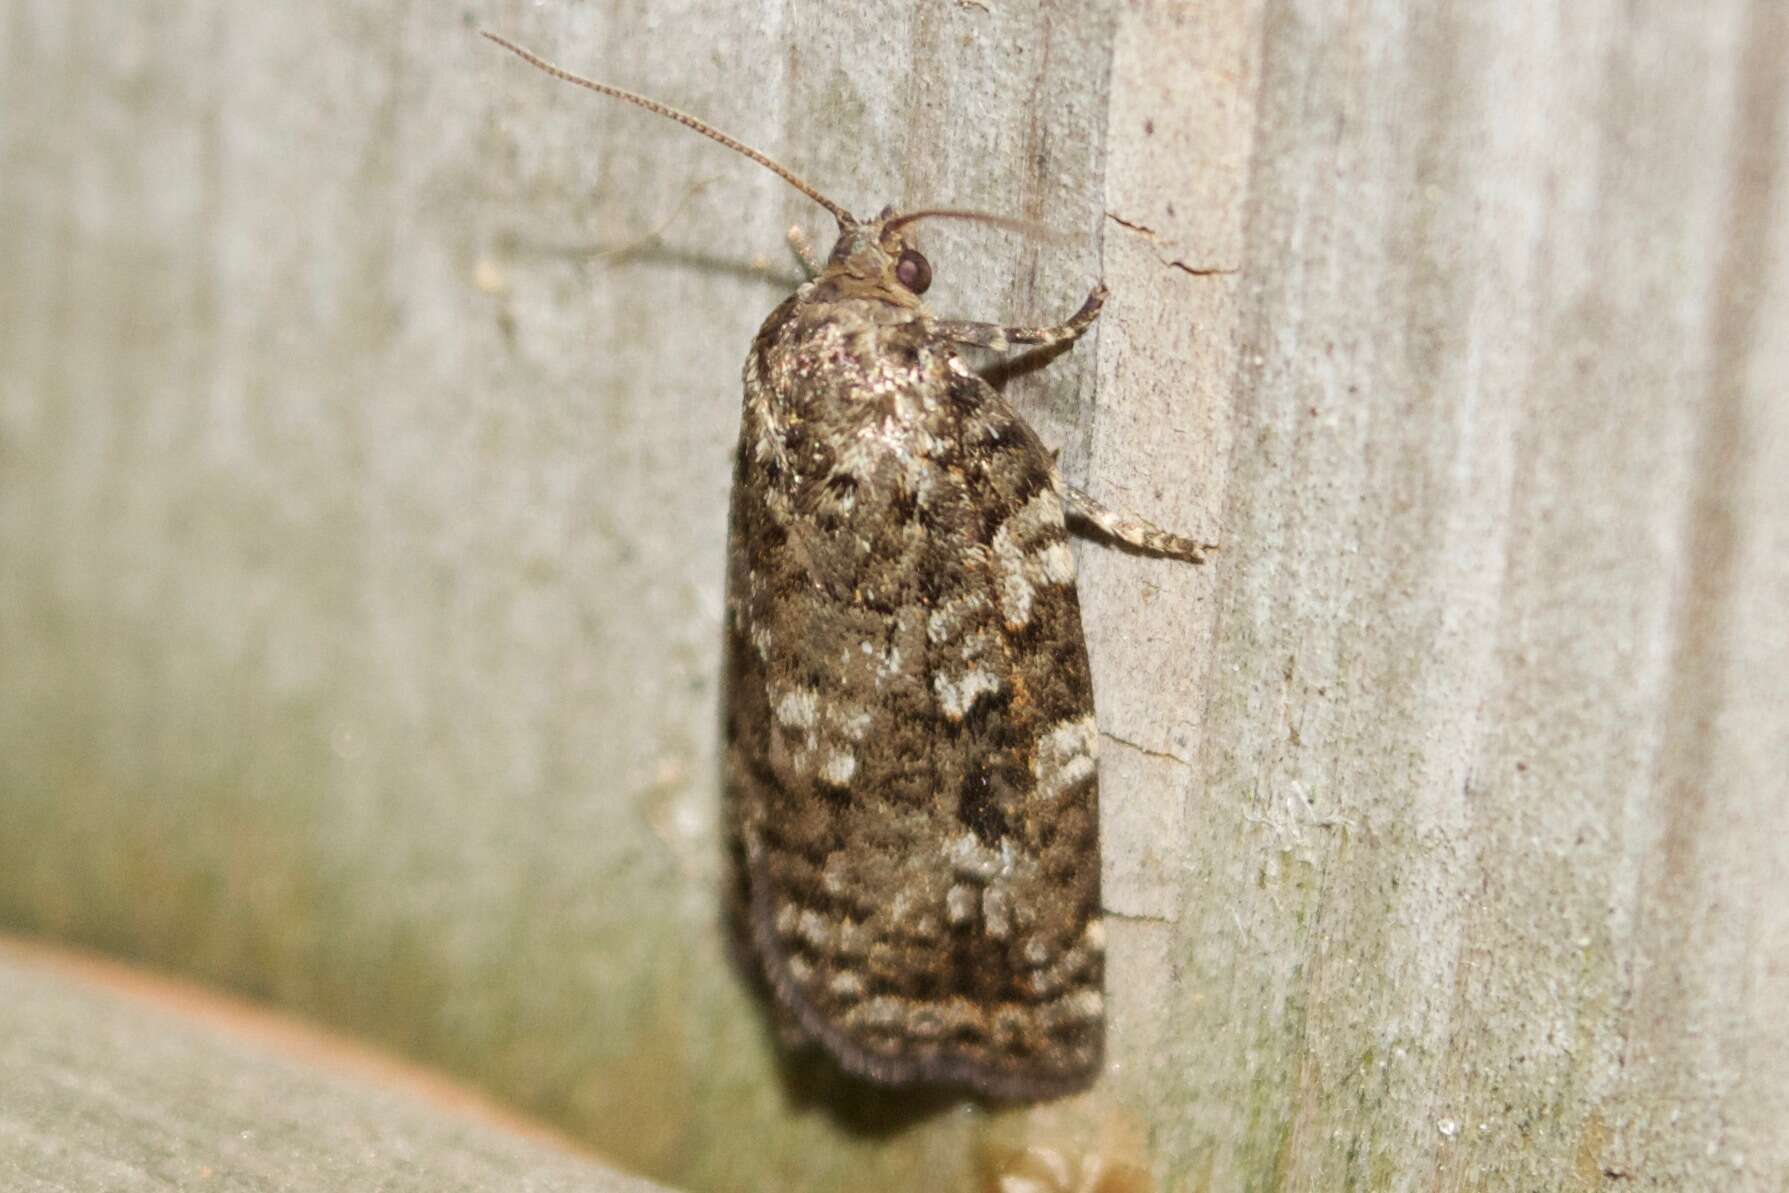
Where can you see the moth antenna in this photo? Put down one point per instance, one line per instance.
(845, 218)
(1022, 227)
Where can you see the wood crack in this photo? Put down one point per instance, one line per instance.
(1198, 271)
(1145, 750)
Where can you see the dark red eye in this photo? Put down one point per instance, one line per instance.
(913, 271)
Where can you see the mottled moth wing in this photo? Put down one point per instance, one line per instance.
(912, 801)
(912, 814)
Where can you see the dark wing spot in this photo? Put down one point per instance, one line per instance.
(988, 723)
(904, 504)
(901, 353)
(1033, 479)
(967, 395)
(978, 807)
(771, 535)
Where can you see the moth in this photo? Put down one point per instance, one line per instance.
(912, 811)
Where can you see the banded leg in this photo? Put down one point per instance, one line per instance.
(1128, 528)
(990, 335)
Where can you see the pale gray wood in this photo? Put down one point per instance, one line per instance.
(362, 511)
(1473, 868)
(121, 1094)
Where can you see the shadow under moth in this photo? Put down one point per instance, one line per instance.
(912, 812)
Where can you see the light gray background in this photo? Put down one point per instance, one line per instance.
(362, 517)
(105, 1093)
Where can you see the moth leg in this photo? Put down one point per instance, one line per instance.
(1129, 528)
(990, 335)
(803, 249)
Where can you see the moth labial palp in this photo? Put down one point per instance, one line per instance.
(911, 804)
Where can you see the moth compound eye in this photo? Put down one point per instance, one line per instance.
(913, 271)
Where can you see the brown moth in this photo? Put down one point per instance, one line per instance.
(912, 810)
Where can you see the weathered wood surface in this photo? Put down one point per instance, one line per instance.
(125, 1084)
(362, 513)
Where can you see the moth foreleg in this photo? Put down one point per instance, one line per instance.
(1129, 528)
(803, 248)
(990, 335)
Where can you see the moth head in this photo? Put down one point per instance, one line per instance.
(879, 256)
(882, 253)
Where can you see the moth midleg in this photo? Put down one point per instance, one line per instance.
(1129, 528)
(992, 335)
